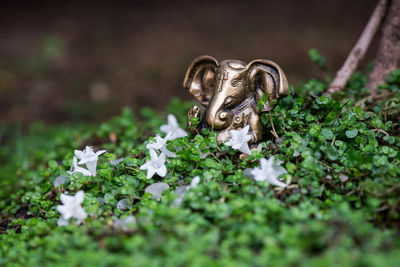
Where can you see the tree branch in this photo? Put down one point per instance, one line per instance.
(388, 55)
(358, 51)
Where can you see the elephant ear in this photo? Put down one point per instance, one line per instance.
(265, 76)
(199, 79)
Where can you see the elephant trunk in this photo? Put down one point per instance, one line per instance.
(216, 116)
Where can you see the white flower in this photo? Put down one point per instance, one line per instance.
(203, 155)
(180, 194)
(269, 171)
(76, 168)
(89, 157)
(124, 204)
(125, 223)
(62, 222)
(173, 127)
(156, 189)
(116, 161)
(181, 190)
(60, 180)
(343, 177)
(239, 139)
(71, 208)
(195, 182)
(156, 164)
(161, 145)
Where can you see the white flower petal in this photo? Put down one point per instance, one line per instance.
(195, 182)
(75, 168)
(151, 145)
(165, 129)
(156, 164)
(180, 191)
(269, 172)
(245, 149)
(82, 170)
(153, 154)
(229, 142)
(178, 201)
(156, 190)
(162, 171)
(79, 197)
(161, 159)
(248, 173)
(180, 133)
(62, 222)
(89, 158)
(172, 120)
(232, 133)
(277, 161)
(125, 224)
(259, 147)
(168, 153)
(343, 177)
(258, 175)
(172, 128)
(150, 173)
(145, 166)
(66, 199)
(169, 136)
(124, 204)
(89, 150)
(274, 181)
(203, 155)
(161, 144)
(116, 161)
(266, 164)
(237, 146)
(247, 138)
(239, 140)
(98, 153)
(79, 154)
(60, 180)
(278, 170)
(65, 211)
(80, 214)
(72, 208)
(91, 165)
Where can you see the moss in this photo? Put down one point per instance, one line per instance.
(340, 208)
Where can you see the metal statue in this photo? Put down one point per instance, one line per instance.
(230, 90)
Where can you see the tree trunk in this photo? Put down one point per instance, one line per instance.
(359, 49)
(388, 56)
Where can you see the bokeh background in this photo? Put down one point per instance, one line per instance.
(83, 60)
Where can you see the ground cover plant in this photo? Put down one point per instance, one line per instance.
(338, 205)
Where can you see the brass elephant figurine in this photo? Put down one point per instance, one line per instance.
(230, 90)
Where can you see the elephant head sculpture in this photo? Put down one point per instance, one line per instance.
(230, 90)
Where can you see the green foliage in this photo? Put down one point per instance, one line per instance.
(51, 48)
(316, 57)
(340, 208)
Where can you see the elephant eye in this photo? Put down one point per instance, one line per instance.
(228, 100)
(235, 82)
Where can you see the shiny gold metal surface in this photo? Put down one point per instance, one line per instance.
(229, 92)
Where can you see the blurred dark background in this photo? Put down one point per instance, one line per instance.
(84, 60)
